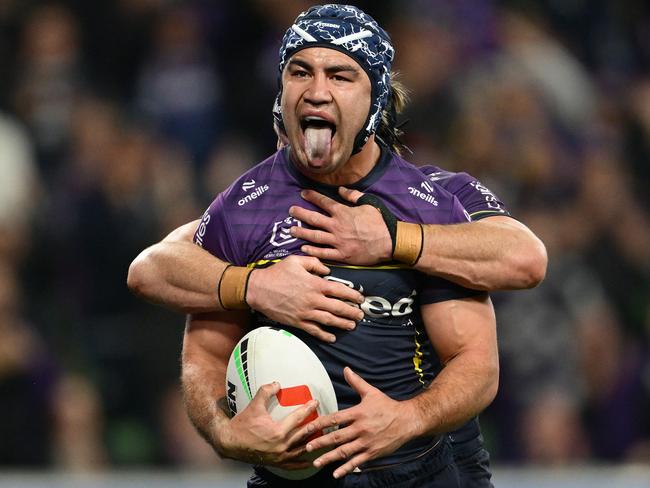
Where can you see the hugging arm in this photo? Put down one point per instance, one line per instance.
(177, 273)
(495, 253)
(180, 275)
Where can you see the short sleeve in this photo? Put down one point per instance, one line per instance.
(215, 236)
(476, 198)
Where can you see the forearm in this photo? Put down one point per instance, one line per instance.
(496, 253)
(178, 275)
(207, 344)
(204, 397)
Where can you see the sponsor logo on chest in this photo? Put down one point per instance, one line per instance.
(254, 194)
(424, 193)
(381, 307)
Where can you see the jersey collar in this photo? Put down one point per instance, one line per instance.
(332, 191)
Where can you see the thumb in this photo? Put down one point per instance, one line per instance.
(350, 195)
(264, 394)
(357, 382)
(313, 265)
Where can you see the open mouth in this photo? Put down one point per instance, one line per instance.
(318, 133)
(315, 122)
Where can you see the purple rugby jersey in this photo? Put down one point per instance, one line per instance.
(478, 200)
(248, 224)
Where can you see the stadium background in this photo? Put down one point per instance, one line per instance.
(119, 120)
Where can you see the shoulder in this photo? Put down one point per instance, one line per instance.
(250, 219)
(451, 181)
(255, 182)
(418, 181)
(412, 197)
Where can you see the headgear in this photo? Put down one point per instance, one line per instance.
(354, 33)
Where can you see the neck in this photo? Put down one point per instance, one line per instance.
(358, 166)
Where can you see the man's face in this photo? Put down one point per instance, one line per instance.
(325, 102)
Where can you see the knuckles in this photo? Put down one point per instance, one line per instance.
(342, 452)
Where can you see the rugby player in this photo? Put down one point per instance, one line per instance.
(495, 253)
(355, 234)
(335, 69)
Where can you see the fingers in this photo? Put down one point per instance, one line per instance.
(344, 452)
(312, 265)
(315, 219)
(343, 292)
(328, 421)
(338, 314)
(320, 200)
(339, 309)
(331, 439)
(312, 235)
(264, 394)
(324, 253)
(351, 465)
(350, 195)
(296, 418)
(326, 318)
(357, 382)
(315, 330)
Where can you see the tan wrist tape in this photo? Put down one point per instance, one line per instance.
(232, 287)
(409, 241)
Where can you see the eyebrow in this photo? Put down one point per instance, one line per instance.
(337, 68)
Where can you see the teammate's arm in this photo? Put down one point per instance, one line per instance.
(495, 253)
(177, 273)
(181, 275)
(463, 333)
(252, 436)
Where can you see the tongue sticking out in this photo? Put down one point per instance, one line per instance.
(318, 142)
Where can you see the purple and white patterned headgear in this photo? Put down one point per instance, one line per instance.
(354, 33)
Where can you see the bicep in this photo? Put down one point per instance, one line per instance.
(465, 325)
(184, 233)
(501, 221)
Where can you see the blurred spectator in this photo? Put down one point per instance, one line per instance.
(49, 79)
(27, 375)
(227, 163)
(182, 444)
(78, 426)
(179, 88)
(19, 192)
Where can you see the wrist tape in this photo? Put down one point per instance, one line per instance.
(407, 239)
(409, 243)
(232, 287)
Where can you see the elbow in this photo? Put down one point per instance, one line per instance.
(138, 279)
(529, 265)
(534, 264)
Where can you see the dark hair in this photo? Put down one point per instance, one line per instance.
(388, 131)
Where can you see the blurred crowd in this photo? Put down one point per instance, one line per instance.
(121, 119)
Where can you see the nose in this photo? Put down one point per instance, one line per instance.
(318, 92)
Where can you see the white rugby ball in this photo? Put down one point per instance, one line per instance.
(269, 354)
